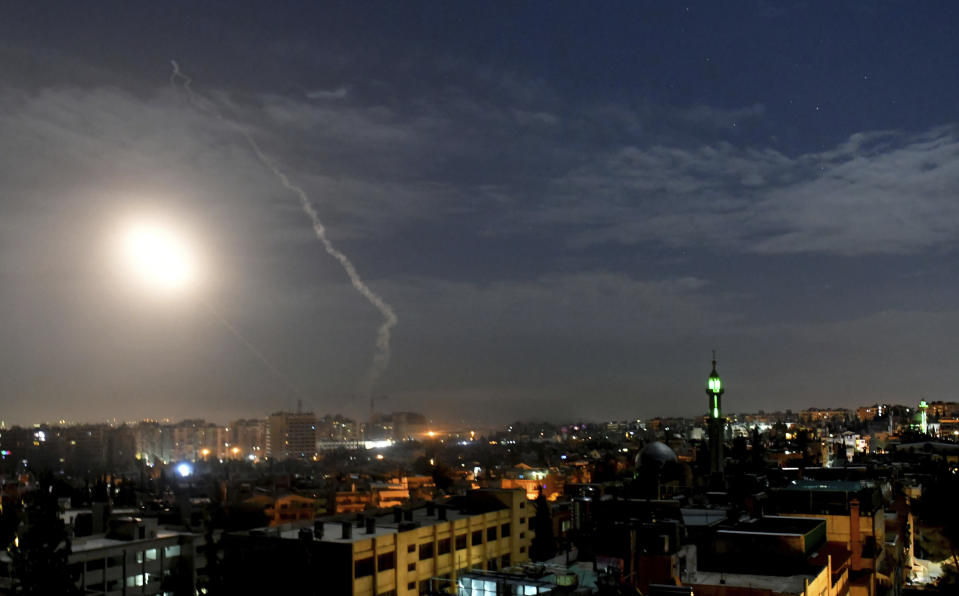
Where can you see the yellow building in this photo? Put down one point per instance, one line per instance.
(401, 552)
(291, 508)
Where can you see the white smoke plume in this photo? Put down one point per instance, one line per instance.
(381, 354)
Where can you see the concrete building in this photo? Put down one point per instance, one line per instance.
(134, 557)
(399, 552)
(855, 529)
(291, 435)
(291, 508)
(249, 439)
(785, 556)
(816, 416)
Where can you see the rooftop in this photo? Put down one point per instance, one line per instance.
(825, 485)
(456, 509)
(782, 526)
(789, 584)
(703, 517)
(99, 541)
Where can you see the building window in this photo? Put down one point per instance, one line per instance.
(477, 537)
(411, 586)
(115, 561)
(522, 520)
(363, 567)
(522, 504)
(522, 549)
(386, 561)
(461, 542)
(504, 531)
(522, 535)
(411, 567)
(444, 546)
(388, 593)
(505, 561)
(171, 551)
(426, 551)
(425, 586)
(491, 534)
(411, 548)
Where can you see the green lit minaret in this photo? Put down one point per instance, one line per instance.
(715, 422)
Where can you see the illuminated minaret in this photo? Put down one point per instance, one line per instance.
(715, 424)
(923, 417)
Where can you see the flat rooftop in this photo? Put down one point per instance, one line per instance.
(385, 525)
(790, 584)
(782, 526)
(94, 542)
(703, 517)
(91, 543)
(848, 486)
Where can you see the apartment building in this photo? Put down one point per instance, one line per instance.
(400, 552)
(134, 557)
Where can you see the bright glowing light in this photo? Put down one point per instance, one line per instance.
(159, 256)
(184, 469)
(377, 444)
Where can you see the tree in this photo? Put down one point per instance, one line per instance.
(543, 546)
(739, 451)
(40, 554)
(758, 449)
(938, 519)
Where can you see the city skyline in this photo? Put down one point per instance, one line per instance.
(567, 208)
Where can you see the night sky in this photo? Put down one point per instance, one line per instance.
(567, 205)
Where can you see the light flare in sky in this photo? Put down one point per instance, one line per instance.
(160, 256)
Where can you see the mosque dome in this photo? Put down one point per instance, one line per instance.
(655, 455)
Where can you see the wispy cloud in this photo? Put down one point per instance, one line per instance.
(877, 193)
(338, 93)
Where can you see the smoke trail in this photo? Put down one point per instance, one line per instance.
(381, 355)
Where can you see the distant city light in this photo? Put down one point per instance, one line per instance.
(184, 469)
